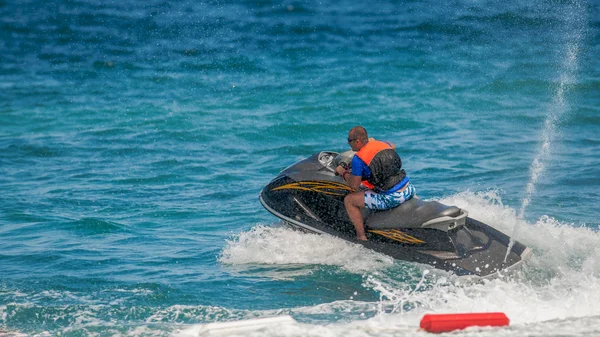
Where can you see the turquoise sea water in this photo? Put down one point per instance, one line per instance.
(136, 135)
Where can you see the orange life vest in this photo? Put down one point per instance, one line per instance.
(385, 165)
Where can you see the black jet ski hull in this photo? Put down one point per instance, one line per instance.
(309, 196)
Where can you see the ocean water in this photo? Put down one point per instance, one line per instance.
(136, 135)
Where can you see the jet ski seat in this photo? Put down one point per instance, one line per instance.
(414, 213)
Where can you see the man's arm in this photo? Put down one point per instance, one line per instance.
(353, 181)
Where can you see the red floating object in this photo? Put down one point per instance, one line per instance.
(448, 322)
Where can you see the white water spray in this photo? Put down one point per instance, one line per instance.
(558, 109)
(574, 26)
(574, 31)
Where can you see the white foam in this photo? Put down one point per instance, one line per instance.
(283, 246)
(241, 327)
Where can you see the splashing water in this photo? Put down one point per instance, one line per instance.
(574, 28)
(282, 245)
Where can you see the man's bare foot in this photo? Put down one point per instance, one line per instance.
(361, 238)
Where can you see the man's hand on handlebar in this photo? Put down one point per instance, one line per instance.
(341, 169)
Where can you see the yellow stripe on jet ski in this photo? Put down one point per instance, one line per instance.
(397, 235)
(325, 187)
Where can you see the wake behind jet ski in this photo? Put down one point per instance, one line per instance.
(309, 195)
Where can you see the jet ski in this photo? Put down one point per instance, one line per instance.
(310, 196)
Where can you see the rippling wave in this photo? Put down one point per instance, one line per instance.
(136, 135)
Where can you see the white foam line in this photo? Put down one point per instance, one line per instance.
(235, 327)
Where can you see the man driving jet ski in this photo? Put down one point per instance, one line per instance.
(379, 168)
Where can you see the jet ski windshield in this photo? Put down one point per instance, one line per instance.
(331, 159)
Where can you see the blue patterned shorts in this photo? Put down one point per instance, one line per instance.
(381, 201)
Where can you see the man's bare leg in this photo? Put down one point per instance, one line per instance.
(354, 202)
